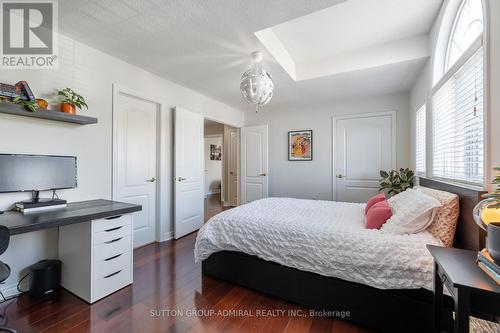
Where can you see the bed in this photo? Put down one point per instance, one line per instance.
(297, 250)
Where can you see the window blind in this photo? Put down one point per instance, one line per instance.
(458, 126)
(420, 140)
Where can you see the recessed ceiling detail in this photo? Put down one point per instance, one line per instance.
(350, 36)
(318, 51)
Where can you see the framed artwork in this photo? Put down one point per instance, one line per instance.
(215, 153)
(300, 145)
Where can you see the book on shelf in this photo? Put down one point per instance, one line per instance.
(484, 257)
(25, 88)
(12, 91)
(20, 89)
(489, 272)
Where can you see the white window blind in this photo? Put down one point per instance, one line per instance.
(420, 140)
(458, 127)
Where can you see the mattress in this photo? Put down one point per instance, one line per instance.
(322, 237)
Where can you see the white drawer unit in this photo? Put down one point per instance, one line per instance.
(97, 257)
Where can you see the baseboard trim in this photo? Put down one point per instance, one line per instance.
(212, 193)
(166, 236)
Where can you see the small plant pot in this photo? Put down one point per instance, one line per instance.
(68, 108)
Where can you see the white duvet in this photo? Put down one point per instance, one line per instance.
(323, 237)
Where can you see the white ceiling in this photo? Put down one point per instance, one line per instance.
(205, 44)
(353, 35)
(355, 24)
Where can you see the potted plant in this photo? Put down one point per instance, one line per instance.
(28, 105)
(71, 101)
(395, 182)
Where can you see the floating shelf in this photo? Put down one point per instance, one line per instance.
(18, 110)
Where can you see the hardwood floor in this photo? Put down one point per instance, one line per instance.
(166, 278)
(213, 206)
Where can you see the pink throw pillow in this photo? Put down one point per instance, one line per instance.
(373, 200)
(377, 215)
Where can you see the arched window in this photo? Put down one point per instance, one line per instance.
(457, 100)
(467, 27)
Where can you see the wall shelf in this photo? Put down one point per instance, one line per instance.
(18, 110)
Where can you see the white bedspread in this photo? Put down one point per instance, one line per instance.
(323, 237)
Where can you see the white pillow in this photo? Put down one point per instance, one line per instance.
(412, 212)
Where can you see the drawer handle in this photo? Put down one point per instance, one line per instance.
(113, 240)
(112, 217)
(113, 229)
(112, 274)
(113, 257)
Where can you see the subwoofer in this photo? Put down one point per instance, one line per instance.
(45, 278)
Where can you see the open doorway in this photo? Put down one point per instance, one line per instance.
(221, 156)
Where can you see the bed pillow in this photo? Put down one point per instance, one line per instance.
(373, 200)
(412, 212)
(445, 221)
(377, 215)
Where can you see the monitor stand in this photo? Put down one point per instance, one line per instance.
(36, 201)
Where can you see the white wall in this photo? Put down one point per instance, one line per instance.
(421, 90)
(494, 123)
(213, 168)
(91, 73)
(314, 179)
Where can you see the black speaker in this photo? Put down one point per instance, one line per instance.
(45, 278)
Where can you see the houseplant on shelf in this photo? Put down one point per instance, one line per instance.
(394, 181)
(28, 105)
(71, 101)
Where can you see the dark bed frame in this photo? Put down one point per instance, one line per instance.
(399, 310)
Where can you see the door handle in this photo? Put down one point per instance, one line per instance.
(181, 179)
(152, 179)
(263, 174)
(340, 176)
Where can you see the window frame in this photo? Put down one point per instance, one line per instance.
(445, 75)
(426, 141)
(449, 40)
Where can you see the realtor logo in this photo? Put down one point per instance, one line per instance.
(29, 34)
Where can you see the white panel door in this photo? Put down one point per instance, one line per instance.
(363, 146)
(135, 160)
(254, 163)
(233, 167)
(189, 172)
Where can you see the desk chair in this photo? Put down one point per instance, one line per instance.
(4, 270)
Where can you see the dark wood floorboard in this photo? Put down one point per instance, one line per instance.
(166, 278)
(213, 206)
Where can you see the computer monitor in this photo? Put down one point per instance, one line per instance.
(20, 172)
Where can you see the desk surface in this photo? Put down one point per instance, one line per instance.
(75, 212)
(460, 266)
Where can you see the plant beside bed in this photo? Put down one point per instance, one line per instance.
(394, 182)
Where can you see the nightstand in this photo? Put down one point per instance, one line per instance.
(472, 290)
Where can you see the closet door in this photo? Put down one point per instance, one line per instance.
(189, 172)
(254, 163)
(363, 146)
